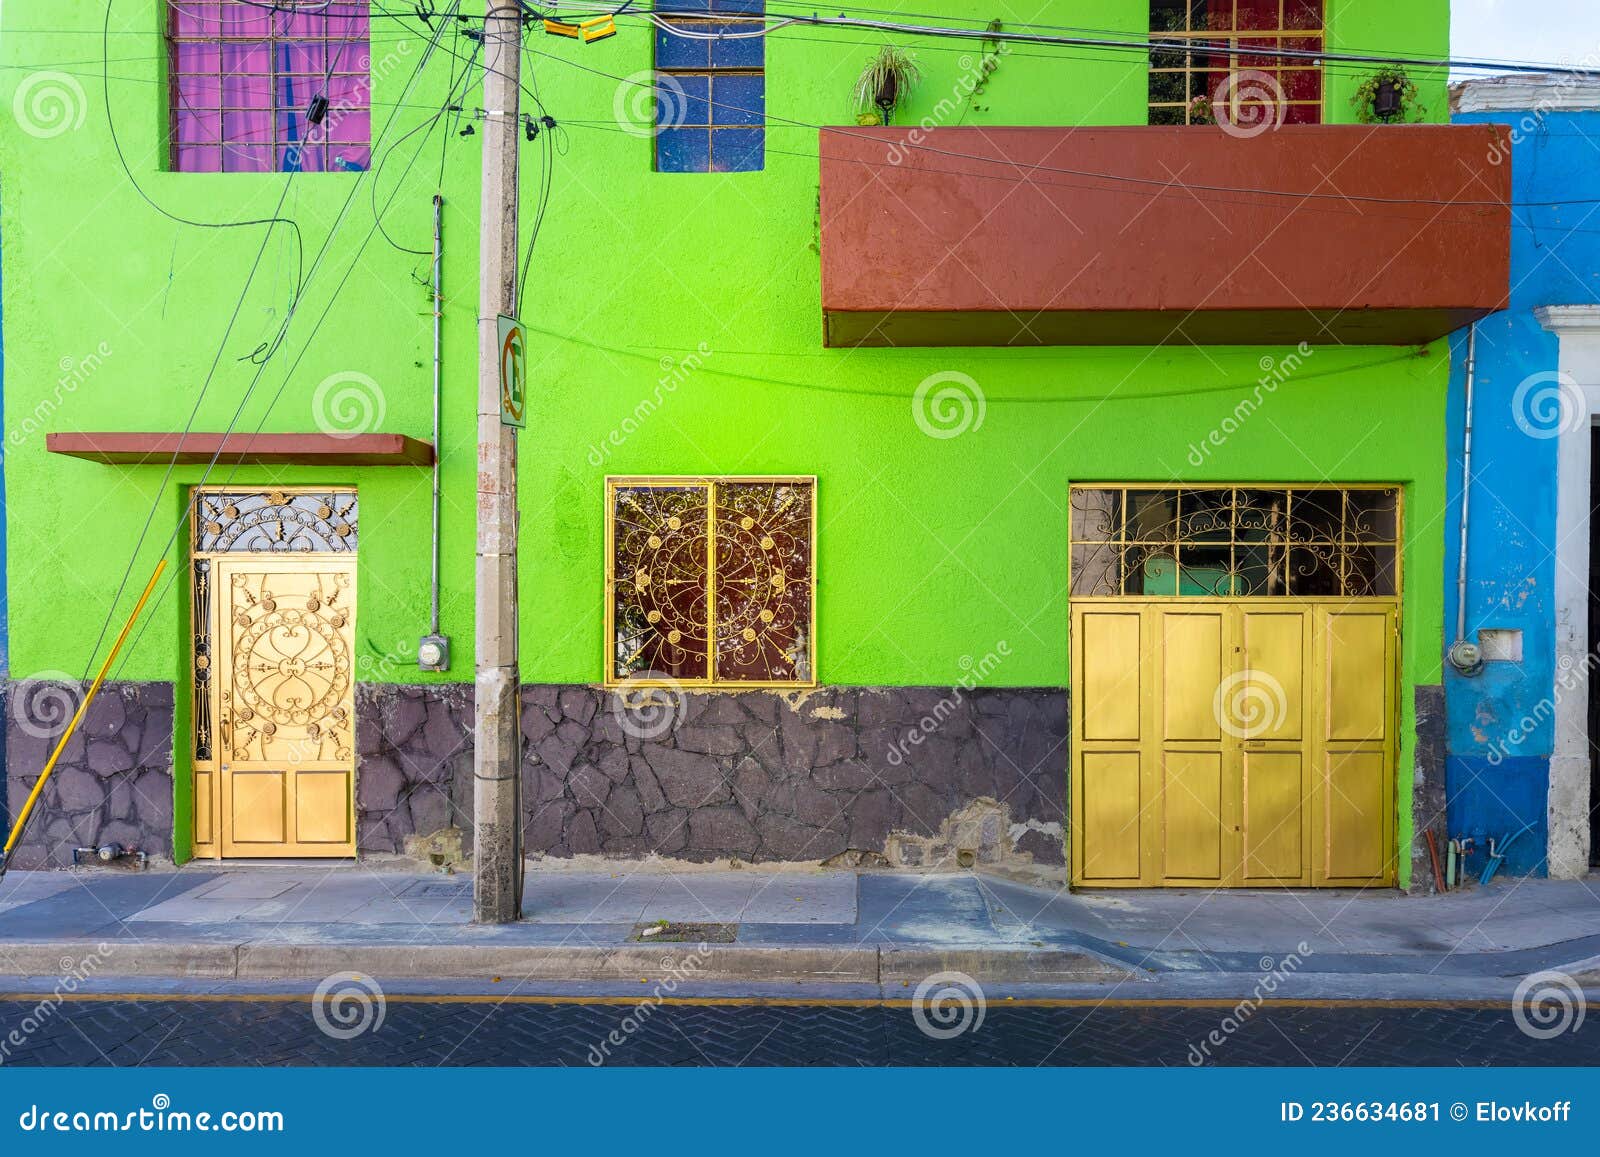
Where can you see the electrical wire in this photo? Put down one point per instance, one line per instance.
(1184, 46)
(1092, 38)
(1024, 171)
(377, 168)
(266, 238)
(1408, 355)
(261, 367)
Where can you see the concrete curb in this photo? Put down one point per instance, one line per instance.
(1585, 972)
(1001, 965)
(805, 964)
(201, 960)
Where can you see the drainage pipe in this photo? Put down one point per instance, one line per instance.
(438, 313)
(1463, 655)
(1497, 853)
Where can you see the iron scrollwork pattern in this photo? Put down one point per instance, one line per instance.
(203, 660)
(763, 603)
(660, 563)
(711, 580)
(276, 521)
(290, 690)
(1255, 542)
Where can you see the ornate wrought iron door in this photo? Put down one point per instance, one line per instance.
(285, 718)
(273, 619)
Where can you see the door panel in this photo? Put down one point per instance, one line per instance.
(321, 814)
(1110, 806)
(1356, 808)
(1275, 658)
(1357, 642)
(1248, 743)
(286, 705)
(1111, 675)
(1191, 672)
(1275, 810)
(257, 812)
(1191, 805)
(204, 801)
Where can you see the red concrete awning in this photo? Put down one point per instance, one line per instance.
(1354, 234)
(132, 449)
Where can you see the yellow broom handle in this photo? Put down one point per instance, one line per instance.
(33, 796)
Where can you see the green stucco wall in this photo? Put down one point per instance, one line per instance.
(929, 550)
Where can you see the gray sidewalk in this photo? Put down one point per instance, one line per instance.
(269, 922)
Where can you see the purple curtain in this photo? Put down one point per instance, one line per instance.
(244, 75)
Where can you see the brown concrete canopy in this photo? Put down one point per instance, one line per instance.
(121, 448)
(1357, 234)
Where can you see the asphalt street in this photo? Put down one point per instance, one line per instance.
(293, 1029)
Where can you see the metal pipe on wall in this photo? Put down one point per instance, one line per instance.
(438, 378)
(1464, 655)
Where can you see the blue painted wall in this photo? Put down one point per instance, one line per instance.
(1499, 728)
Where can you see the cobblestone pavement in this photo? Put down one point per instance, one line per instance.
(246, 1031)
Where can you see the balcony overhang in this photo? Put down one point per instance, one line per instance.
(1370, 235)
(133, 449)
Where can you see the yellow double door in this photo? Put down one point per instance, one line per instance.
(1233, 743)
(282, 779)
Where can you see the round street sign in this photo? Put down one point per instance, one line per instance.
(513, 372)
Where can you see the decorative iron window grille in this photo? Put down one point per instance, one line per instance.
(242, 77)
(1240, 541)
(204, 658)
(710, 87)
(1231, 74)
(711, 581)
(275, 521)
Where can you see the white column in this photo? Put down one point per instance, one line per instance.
(1578, 327)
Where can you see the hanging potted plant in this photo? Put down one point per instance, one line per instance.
(884, 85)
(1387, 97)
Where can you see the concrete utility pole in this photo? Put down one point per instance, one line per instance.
(497, 755)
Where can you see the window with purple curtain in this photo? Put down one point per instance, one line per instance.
(243, 75)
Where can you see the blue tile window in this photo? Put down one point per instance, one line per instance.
(711, 94)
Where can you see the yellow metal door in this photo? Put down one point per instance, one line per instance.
(285, 706)
(1232, 742)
